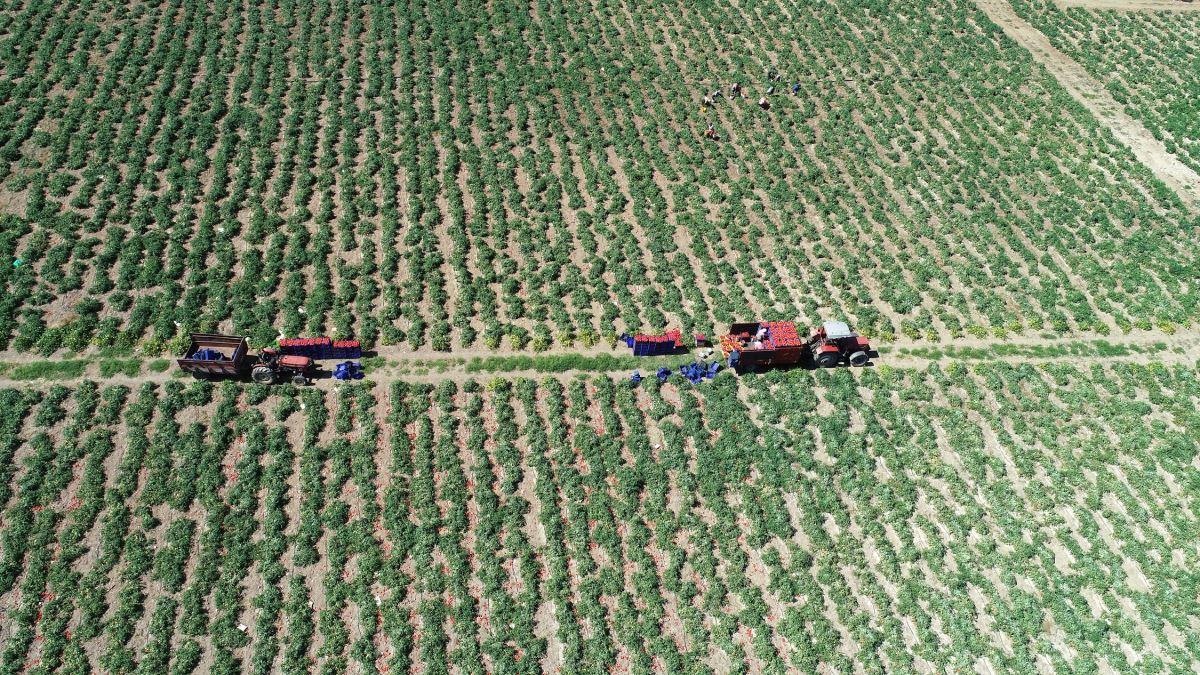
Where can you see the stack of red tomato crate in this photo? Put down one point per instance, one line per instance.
(782, 334)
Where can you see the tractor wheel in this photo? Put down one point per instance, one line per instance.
(299, 379)
(859, 359)
(828, 359)
(199, 375)
(263, 375)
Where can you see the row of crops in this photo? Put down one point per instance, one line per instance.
(436, 175)
(896, 520)
(1145, 59)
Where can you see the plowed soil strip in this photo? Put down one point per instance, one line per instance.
(1133, 5)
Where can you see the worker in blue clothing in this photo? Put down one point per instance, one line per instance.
(796, 88)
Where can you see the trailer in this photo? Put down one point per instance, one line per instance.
(212, 356)
(768, 344)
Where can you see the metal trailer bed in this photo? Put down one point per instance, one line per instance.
(231, 361)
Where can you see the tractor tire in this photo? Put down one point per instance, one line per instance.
(828, 359)
(263, 375)
(299, 380)
(859, 359)
(199, 375)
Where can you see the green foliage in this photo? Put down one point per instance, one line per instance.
(1049, 350)
(1142, 59)
(885, 505)
(310, 179)
(48, 370)
(126, 367)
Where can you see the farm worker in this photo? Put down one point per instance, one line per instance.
(796, 88)
(757, 344)
(761, 334)
(770, 90)
(762, 103)
(708, 100)
(716, 94)
(735, 88)
(772, 74)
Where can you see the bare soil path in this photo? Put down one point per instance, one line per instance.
(1092, 94)
(401, 364)
(1133, 5)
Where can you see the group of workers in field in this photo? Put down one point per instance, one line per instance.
(737, 91)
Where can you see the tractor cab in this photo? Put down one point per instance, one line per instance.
(834, 341)
(299, 363)
(272, 367)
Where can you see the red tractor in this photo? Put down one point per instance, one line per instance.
(778, 343)
(834, 341)
(272, 368)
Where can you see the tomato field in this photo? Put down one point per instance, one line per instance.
(1146, 60)
(436, 176)
(999, 514)
(1011, 486)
